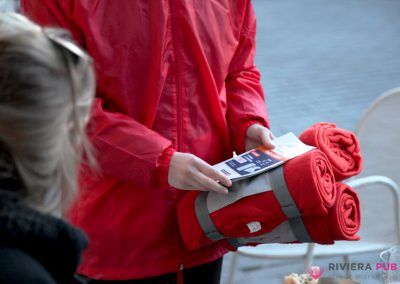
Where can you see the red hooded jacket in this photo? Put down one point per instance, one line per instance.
(173, 75)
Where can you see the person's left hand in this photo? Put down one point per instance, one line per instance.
(257, 135)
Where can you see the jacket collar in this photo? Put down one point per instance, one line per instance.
(51, 241)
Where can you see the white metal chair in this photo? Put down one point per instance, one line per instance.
(379, 134)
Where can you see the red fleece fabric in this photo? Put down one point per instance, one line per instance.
(342, 222)
(345, 215)
(311, 183)
(339, 145)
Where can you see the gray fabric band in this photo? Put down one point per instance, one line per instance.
(206, 224)
(235, 242)
(281, 234)
(297, 230)
(203, 216)
(238, 190)
(288, 205)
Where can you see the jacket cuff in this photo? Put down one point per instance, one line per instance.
(240, 139)
(163, 167)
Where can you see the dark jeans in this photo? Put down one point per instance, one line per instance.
(209, 273)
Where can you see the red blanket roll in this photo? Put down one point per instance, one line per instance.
(343, 220)
(339, 145)
(345, 215)
(310, 181)
(341, 223)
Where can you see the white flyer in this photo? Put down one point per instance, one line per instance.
(261, 159)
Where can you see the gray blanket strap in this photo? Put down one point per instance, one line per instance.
(206, 224)
(235, 242)
(288, 205)
(203, 216)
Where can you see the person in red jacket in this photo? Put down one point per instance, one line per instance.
(178, 91)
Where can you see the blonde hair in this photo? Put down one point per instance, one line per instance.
(46, 92)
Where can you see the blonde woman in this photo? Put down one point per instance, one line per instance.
(46, 90)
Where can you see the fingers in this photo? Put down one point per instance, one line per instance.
(194, 185)
(259, 134)
(210, 184)
(189, 172)
(213, 174)
(266, 138)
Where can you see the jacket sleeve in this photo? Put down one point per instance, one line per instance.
(245, 96)
(128, 150)
(125, 148)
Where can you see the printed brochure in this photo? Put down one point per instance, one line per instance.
(262, 159)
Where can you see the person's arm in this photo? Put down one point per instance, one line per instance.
(137, 154)
(52, 13)
(245, 96)
(125, 148)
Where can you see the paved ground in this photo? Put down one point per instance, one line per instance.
(322, 60)
(326, 60)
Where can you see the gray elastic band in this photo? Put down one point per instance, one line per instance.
(235, 242)
(284, 198)
(288, 205)
(283, 233)
(239, 189)
(204, 218)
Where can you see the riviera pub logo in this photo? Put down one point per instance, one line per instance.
(357, 266)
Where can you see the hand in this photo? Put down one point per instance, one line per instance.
(188, 172)
(257, 135)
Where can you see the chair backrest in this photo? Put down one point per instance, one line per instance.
(379, 134)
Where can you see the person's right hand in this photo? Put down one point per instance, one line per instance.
(188, 172)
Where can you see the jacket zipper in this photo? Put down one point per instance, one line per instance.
(180, 279)
(179, 104)
(178, 78)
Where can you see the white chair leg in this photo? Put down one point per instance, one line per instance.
(307, 262)
(309, 256)
(387, 279)
(346, 259)
(232, 269)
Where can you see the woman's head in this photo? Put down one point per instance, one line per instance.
(46, 90)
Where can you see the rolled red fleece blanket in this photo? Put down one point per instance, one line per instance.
(310, 181)
(339, 145)
(341, 223)
(345, 215)
(343, 220)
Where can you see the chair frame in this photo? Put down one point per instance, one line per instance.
(355, 183)
(309, 255)
(374, 104)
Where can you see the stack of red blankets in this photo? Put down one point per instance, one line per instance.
(329, 210)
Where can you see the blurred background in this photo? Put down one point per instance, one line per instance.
(320, 60)
(9, 5)
(324, 60)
